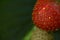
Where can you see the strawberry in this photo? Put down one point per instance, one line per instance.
(38, 34)
(47, 16)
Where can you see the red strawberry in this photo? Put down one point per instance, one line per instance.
(41, 3)
(47, 16)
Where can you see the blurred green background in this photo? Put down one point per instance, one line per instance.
(15, 20)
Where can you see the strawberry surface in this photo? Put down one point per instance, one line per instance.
(47, 16)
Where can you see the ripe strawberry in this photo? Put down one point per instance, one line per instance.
(47, 16)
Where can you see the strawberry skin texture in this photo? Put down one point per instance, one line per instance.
(47, 16)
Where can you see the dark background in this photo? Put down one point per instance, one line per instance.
(15, 19)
